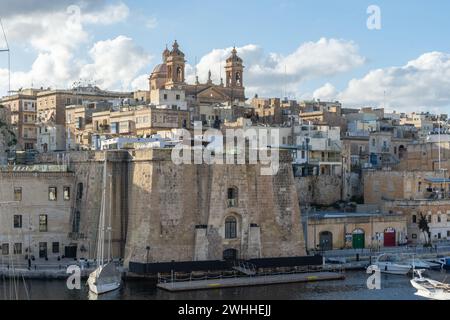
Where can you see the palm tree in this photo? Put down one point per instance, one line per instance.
(425, 228)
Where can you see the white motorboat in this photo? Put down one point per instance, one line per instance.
(416, 263)
(429, 288)
(392, 264)
(106, 277)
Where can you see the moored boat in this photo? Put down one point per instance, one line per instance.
(429, 288)
(392, 264)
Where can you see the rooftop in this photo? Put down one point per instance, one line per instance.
(35, 168)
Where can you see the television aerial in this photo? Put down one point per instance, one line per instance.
(9, 56)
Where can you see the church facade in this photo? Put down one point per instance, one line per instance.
(170, 74)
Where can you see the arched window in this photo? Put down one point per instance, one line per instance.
(232, 199)
(179, 74)
(238, 78)
(230, 228)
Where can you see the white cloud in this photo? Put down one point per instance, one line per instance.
(271, 74)
(421, 84)
(140, 82)
(326, 93)
(111, 14)
(151, 23)
(58, 36)
(116, 63)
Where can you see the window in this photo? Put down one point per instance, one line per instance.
(165, 96)
(178, 97)
(420, 187)
(17, 248)
(17, 194)
(448, 233)
(66, 193)
(414, 219)
(429, 219)
(232, 197)
(439, 219)
(230, 228)
(43, 223)
(55, 247)
(80, 191)
(52, 194)
(5, 249)
(17, 221)
(76, 222)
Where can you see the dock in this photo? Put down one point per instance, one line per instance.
(249, 281)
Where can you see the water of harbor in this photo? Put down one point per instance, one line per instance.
(354, 287)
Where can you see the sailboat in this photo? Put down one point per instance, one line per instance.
(106, 277)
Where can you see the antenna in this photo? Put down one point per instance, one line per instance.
(196, 74)
(9, 57)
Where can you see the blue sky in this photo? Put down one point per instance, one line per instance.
(410, 29)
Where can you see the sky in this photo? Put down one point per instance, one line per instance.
(322, 49)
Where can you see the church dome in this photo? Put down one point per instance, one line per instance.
(234, 57)
(160, 69)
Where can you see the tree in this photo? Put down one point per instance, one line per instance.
(425, 228)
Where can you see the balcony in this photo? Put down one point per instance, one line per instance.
(332, 160)
(232, 203)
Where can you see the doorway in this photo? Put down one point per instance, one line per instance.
(230, 255)
(358, 239)
(389, 237)
(326, 241)
(42, 249)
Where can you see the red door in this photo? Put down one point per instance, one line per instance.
(389, 239)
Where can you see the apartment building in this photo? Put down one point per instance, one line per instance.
(323, 113)
(79, 126)
(22, 117)
(51, 104)
(141, 121)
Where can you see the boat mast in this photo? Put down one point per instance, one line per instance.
(101, 224)
(109, 220)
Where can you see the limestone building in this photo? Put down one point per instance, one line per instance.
(23, 113)
(36, 206)
(163, 212)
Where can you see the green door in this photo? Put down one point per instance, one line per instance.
(358, 240)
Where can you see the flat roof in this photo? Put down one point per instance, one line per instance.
(337, 215)
(438, 180)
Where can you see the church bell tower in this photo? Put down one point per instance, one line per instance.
(234, 70)
(175, 67)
